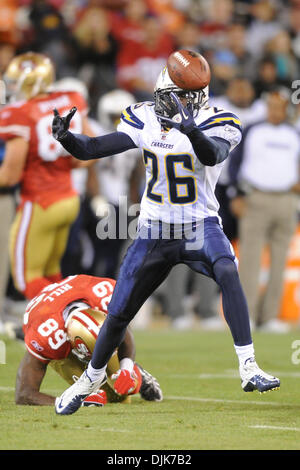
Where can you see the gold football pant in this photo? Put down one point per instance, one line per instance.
(38, 240)
(71, 368)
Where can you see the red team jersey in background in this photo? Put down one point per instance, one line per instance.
(47, 174)
(44, 319)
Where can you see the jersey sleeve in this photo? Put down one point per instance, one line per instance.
(225, 125)
(47, 342)
(131, 123)
(35, 346)
(14, 123)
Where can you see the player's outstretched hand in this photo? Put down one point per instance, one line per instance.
(60, 125)
(125, 381)
(183, 120)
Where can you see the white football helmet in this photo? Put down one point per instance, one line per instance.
(164, 105)
(71, 84)
(111, 105)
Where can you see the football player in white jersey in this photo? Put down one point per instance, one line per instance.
(184, 143)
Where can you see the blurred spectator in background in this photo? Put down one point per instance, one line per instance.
(139, 68)
(280, 48)
(93, 35)
(47, 22)
(127, 25)
(224, 67)
(240, 100)
(51, 36)
(263, 27)
(217, 15)
(266, 169)
(96, 51)
(188, 37)
(172, 20)
(8, 26)
(293, 27)
(237, 44)
(7, 52)
(266, 77)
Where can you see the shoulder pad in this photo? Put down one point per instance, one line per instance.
(221, 118)
(130, 117)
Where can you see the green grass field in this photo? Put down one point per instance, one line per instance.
(204, 407)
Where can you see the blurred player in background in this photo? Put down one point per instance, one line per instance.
(185, 142)
(61, 325)
(239, 99)
(7, 212)
(265, 175)
(48, 203)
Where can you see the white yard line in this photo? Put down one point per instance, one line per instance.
(93, 428)
(204, 376)
(7, 389)
(229, 375)
(279, 428)
(221, 400)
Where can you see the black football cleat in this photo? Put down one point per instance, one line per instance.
(150, 389)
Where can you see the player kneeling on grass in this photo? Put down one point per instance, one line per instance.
(61, 326)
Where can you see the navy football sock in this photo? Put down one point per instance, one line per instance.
(234, 301)
(110, 336)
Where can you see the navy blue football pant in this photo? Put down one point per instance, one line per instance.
(148, 261)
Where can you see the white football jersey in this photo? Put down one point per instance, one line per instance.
(179, 189)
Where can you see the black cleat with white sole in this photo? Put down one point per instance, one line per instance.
(150, 389)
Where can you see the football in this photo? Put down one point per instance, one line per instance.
(189, 70)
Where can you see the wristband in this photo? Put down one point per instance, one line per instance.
(127, 364)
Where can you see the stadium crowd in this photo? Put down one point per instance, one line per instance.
(252, 46)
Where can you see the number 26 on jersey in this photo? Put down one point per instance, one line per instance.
(182, 189)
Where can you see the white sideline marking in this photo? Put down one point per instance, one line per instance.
(102, 429)
(229, 375)
(221, 400)
(7, 389)
(279, 428)
(204, 376)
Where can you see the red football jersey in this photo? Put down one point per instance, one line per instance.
(44, 318)
(47, 174)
